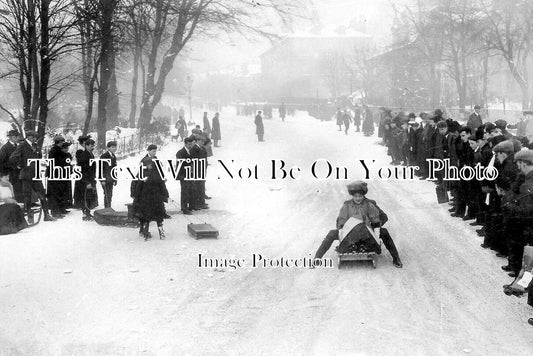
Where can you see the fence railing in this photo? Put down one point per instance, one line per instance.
(126, 146)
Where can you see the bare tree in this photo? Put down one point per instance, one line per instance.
(428, 42)
(461, 22)
(508, 26)
(36, 33)
(172, 24)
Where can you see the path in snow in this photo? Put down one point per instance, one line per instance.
(122, 295)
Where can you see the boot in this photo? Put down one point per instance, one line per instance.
(397, 262)
(161, 232)
(48, 217)
(147, 234)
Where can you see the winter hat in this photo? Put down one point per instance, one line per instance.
(516, 144)
(357, 186)
(502, 124)
(524, 155)
(504, 147)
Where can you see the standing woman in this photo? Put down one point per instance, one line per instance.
(149, 200)
(259, 128)
(79, 190)
(59, 191)
(215, 133)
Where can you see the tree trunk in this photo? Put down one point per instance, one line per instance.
(112, 108)
(106, 47)
(45, 69)
(134, 84)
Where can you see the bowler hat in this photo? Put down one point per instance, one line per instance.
(502, 124)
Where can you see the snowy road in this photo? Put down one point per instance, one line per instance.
(74, 287)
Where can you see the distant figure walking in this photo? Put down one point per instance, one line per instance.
(259, 128)
(282, 112)
(215, 133)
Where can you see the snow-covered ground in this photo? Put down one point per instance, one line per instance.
(73, 287)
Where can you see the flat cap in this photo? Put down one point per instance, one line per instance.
(504, 147)
(524, 155)
(188, 139)
(58, 139)
(13, 133)
(151, 147)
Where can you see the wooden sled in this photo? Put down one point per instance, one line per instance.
(32, 217)
(202, 231)
(356, 256)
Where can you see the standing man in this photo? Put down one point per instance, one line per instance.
(109, 182)
(88, 179)
(259, 128)
(215, 133)
(187, 186)
(282, 112)
(20, 158)
(474, 121)
(200, 153)
(6, 151)
(207, 126)
(527, 126)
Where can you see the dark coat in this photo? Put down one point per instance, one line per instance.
(88, 171)
(474, 121)
(368, 123)
(79, 187)
(106, 174)
(150, 196)
(59, 192)
(357, 117)
(259, 128)
(5, 152)
(20, 157)
(183, 154)
(508, 169)
(207, 125)
(282, 111)
(215, 133)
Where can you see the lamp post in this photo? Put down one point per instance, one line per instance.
(189, 86)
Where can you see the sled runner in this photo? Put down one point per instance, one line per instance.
(33, 217)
